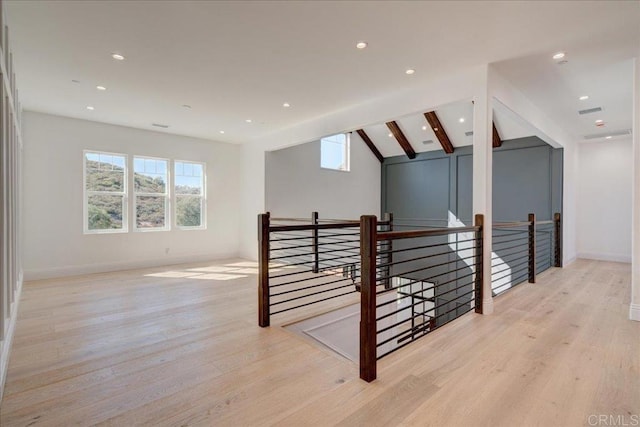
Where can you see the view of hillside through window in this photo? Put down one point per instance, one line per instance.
(189, 191)
(106, 195)
(106, 191)
(151, 192)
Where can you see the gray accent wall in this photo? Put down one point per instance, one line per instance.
(527, 178)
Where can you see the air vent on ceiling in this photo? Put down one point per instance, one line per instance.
(158, 125)
(604, 135)
(470, 133)
(428, 141)
(590, 110)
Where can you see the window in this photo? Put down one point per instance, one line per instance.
(105, 192)
(334, 152)
(151, 193)
(189, 194)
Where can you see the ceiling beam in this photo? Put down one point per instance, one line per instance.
(402, 140)
(442, 136)
(497, 141)
(370, 144)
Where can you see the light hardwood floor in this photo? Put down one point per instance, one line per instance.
(144, 348)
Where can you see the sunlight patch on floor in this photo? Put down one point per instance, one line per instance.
(236, 270)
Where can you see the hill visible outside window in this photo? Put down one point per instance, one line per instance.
(150, 177)
(105, 192)
(334, 152)
(189, 194)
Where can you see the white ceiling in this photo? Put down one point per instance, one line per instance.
(238, 60)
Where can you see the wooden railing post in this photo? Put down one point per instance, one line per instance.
(558, 239)
(389, 247)
(479, 222)
(368, 330)
(263, 269)
(532, 248)
(316, 260)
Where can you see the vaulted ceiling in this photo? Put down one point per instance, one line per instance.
(457, 122)
(235, 61)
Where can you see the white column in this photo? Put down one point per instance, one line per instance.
(634, 309)
(482, 177)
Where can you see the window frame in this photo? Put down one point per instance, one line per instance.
(167, 197)
(346, 152)
(124, 194)
(203, 197)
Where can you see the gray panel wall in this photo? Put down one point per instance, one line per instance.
(527, 177)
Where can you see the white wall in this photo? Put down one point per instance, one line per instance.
(53, 223)
(296, 185)
(604, 200)
(253, 198)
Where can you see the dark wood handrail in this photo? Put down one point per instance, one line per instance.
(510, 224)
(314, 226)
(394, 235)
(292, 219)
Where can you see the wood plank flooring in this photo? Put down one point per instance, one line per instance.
(180, 346)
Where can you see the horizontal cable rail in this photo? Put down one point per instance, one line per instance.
(523, 249)
(307, 261)
(427, 278)
(412, 276)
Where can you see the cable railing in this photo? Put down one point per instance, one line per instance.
(411, 281)
(307, 261)
(523, 249)
(436, 278)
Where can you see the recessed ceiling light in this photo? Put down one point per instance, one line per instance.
(424, 128)
(390, 135)
(599, 121)
(584, 97)
(461, 119)
(559, 55)
(607, 137)
(222, 132)
(361, 45)
(410, 71)
(117, 57)
(286, 105)
(101, 88)
(248, 120)
(90, 108)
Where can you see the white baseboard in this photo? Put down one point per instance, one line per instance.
(567, 262)
(487, 306)
(634, 312)
(5, 345)
(76, 270)
(605, 257)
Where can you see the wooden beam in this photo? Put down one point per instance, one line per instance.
(370, 144)
(497, 141)
(442, 136)
(402, 140)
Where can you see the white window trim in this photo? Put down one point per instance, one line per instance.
(167, 196)
(347, 153)
(203, 197)
(86, 193)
